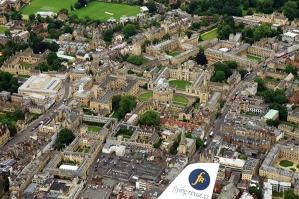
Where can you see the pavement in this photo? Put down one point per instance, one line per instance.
(26, 133)
(224, 111)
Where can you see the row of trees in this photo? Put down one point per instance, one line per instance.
(128, 30)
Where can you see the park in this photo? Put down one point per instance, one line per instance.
(95, 10)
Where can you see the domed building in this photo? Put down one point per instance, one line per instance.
(162, 92)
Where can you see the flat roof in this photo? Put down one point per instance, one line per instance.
(290, 34)
(271, 114)
(69, 167)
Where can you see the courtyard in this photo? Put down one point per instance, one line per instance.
(287, 164)
(210, 35)
(94, 128)
(180, 84)
(146, 96)
(254, 58)
(179, 100)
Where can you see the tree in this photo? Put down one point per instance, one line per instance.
(77, 5)
(290, 69)
(262, 31)
(129, 30)
(243, 72)
(224, 31)
(289, 194)
(18, 115)
(201, 59)
(82, 2)
(273, 122)
(150, 118)
(231, 64)
(51, 57)
(246, 5)
(199, 143)
(65, 136)
(7, 33)
(290, 10)
(166, 36)
(255, 191)
(152, 8)
(64, 11)
(42, 66)
(32, 17)
(126, 105)
(107, 35)
(115, 102)
(260, 84)
(219, 76)
(189, 34)
(53, 47)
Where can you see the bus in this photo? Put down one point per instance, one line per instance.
(205, 143)
(237, 93)
(211, 134)
(233, 98)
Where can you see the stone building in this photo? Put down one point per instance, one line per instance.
(22, 62)
(274, 18)
(7, 5)
(163, 92)
(4, 134)
(187, 146)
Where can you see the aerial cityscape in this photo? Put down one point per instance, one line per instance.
(115, 99)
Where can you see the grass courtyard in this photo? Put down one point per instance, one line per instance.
(286, 163)
(103, 11)
(174, 53)
(94, 128)
(210, 35)
(254, 58)
(179, 100)
(2, 29)
(46, 6)
(180, 84)
(83, 150)
(145, 96)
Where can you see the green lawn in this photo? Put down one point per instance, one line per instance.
(103, 11)
(145, 96)
(46, 6)
(23, 76)
(2, 29)
(254, 58)
(174, 53)
(94, 128)
(286, 163)
(180, 84)
(83, 150)
(210, 35)
(27, 65)
(179, 100)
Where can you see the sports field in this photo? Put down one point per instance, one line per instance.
(103, 11)
(95, 10)
(46, 6)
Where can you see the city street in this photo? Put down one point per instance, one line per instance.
(224, 111)
(26, 133)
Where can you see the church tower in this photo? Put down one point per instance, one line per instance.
(204, 90)
(182, 147)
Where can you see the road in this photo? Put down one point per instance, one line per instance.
(224, 111)
(25, 134)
